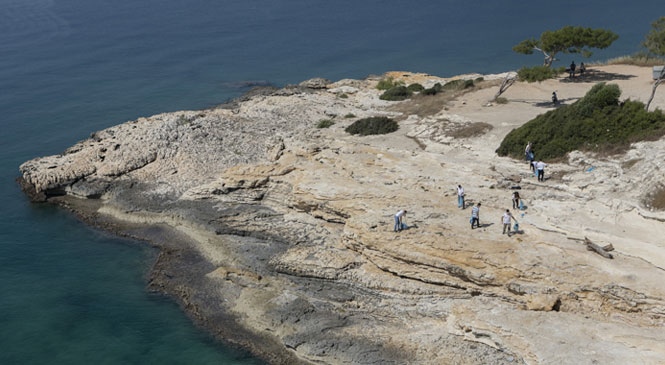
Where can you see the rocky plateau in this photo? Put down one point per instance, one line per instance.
(277, 236)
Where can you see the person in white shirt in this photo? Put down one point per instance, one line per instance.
(507, 216)
(460, 196)
(540, 166)
(398, 220)
(528, 152)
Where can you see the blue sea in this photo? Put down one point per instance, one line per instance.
(70, 294)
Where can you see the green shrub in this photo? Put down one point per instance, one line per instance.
(437, 88)
(396, 93)
(598, 97)
(501, 100)
(415, 88)
(453, 84)
(388, 83)
(597, 122)
(350, 115)
(458, 84)
(536, 74)
(325, 123)
(372, 125)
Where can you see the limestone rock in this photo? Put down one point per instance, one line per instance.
(315, 83)
(287, 229)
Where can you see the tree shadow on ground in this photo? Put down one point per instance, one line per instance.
(590, 76)
(550, 104)
(596, 76)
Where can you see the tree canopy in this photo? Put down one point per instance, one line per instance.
(654, 42)
(568, 39)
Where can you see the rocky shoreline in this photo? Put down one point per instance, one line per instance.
(276, 236)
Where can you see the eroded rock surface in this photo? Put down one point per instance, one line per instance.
(287, 229)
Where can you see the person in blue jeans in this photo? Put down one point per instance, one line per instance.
(528, 152)
(540, 167)
(398, 220)
(475, 216)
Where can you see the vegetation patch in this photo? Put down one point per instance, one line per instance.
(388, 83)
(396, 93)
(415, 88)
(325, 123)
(538, 73)
(471, 130)
(598, 123)
(437, 88)
(458, 84)
(638, 59)
(424, 104)
(372, 125)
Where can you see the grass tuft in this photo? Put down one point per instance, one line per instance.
(325, 123)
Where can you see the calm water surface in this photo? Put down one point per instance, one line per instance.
(74, 295)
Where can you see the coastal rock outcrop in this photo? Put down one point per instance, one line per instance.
(278, 236)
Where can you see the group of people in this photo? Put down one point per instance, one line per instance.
(572, 67)
(538, 167)
(506, 219)
(475, 211)
(475, 215)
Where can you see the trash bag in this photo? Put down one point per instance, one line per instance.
(516, 227)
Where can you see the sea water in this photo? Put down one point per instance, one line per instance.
(70, 294)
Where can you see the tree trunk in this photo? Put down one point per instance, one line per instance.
(661, 77)
(507, 82)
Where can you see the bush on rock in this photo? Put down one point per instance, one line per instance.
(373, 125)
(396, 93)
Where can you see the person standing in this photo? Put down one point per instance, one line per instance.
(572, 69)
(475, 216)
(460, 196)
(399, 217)
(516, 199)
(540, 166)
(507, 216)
(528, 152)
